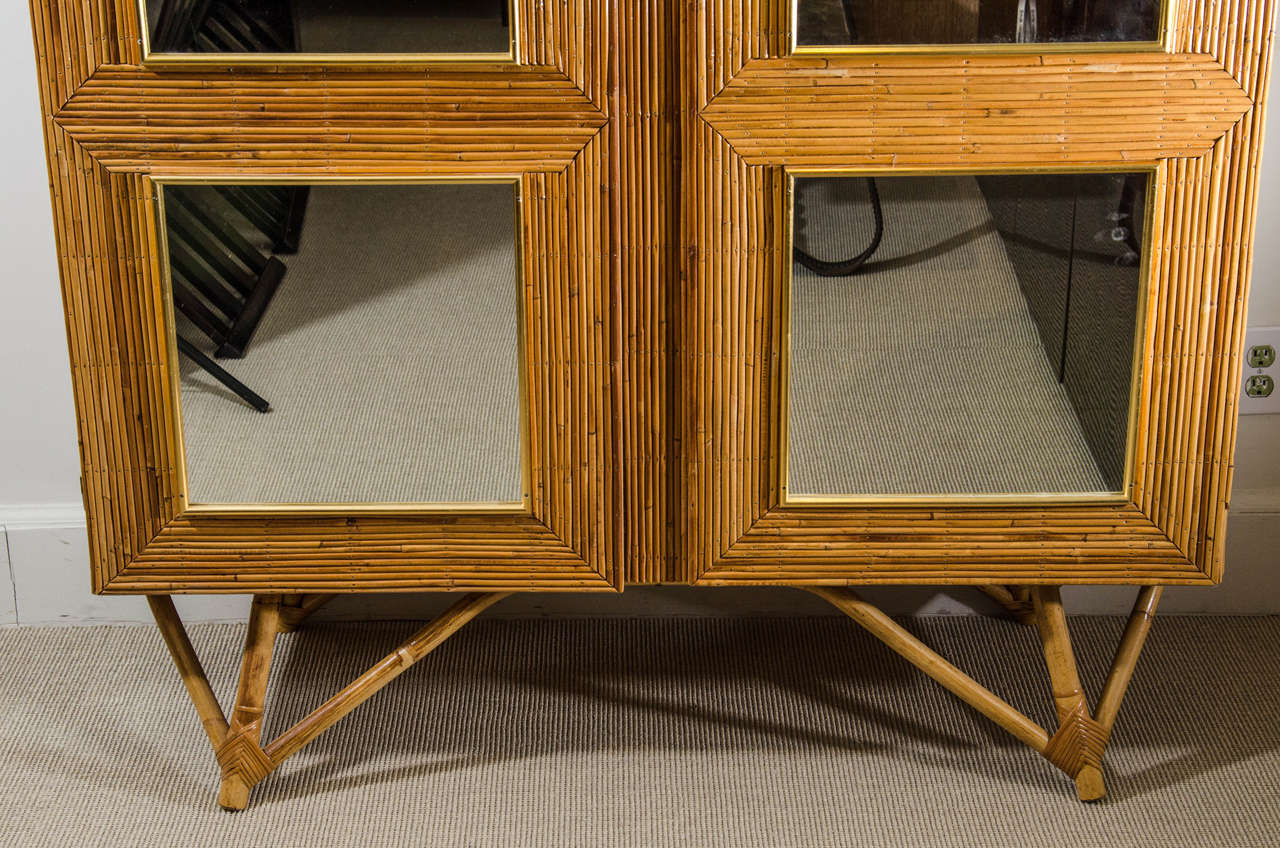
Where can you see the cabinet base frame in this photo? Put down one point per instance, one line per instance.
(1081, 738)
(1076, 747)
(237, 744)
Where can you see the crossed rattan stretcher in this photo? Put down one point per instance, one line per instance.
(1076, 747)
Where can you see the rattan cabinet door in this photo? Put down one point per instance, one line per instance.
(880, 223)
(143, 116)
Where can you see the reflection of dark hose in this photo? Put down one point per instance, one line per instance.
(849, 267)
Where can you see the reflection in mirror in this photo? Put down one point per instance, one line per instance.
(962, 335)
(379, 325)
(829, 23)
(328, 26)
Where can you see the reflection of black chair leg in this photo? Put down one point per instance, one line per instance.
(850, 22)
(251, 312)
(291, 232)
(223, 376)
(505, 14)
(849, 267)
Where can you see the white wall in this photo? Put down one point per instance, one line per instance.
(44, 573)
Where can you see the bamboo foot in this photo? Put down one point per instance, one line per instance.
(237, 743)
(1081, 739)
(243, 762)
(244, 765)
(1078, 745)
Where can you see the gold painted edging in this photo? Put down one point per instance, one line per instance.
(1162, 44)
(287, 509)
(160, 60)
(1156, 185)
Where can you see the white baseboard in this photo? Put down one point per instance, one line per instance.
(45, 560)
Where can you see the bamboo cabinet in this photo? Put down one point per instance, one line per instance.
(575, 296)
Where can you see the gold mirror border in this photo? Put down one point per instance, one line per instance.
(188, 505)
(1164, 30)
(160, 60)
(788, 498)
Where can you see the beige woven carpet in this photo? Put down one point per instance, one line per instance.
(702, 732)
(389, 355)
(924, 373)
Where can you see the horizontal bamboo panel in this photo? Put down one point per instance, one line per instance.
(1118, 543)
(929, 111)
(74, 39)
(337, 554)
(474, 120)
(1194, 113)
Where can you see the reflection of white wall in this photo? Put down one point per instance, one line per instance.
(42, 544)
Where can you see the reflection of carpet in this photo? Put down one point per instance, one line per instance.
(389, 356)
(921, 377)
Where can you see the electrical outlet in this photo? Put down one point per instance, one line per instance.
(1261, 356)
(1258, 391)
(1259, 386)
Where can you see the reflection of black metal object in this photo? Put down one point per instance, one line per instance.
(848, 267)
(221, 281)
(1125, 217)
(221, 374)
(276, 211)
(224, 26)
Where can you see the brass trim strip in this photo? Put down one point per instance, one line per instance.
(155, 60)
(1155, 187)
(1162, 43)
(286, 509)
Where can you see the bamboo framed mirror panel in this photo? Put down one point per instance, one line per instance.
(132, 145)
(930, 129)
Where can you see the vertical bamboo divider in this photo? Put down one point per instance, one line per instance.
(644, 126)
(1245, 47)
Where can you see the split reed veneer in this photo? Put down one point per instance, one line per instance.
(654, 146)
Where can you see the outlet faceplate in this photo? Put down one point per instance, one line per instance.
(1260, 371)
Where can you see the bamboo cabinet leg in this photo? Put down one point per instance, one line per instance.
(243, 761)
(1015, 599)
(193, 676)
(1135, 635)
(238, 743)
(295, 609)
(1076, 748)
(1078, 745)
